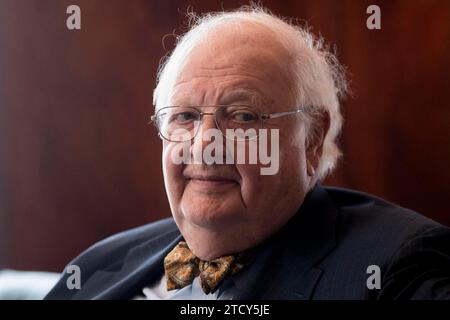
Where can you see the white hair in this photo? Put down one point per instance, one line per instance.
(319, 78)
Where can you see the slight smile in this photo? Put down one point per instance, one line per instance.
(212, 183)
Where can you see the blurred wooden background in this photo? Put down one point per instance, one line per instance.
(78, 161)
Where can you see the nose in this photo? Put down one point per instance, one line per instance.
(203, 139)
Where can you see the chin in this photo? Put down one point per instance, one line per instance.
(209, 220)
(204, 210)
(210, 216)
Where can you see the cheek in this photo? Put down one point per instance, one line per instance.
(268, 191)
(173, 174)
(252, 183)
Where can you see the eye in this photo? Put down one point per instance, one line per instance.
(243, 116)
(183, 117)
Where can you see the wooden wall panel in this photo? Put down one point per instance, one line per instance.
(78, 161)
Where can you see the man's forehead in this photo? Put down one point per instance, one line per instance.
(233, 65)
(233, 94)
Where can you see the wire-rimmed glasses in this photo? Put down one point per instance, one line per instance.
(240, 122)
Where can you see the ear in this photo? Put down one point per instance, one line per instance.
(314, 148)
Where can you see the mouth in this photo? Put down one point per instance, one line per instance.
(211, 183)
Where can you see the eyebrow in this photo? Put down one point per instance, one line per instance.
(248, 95)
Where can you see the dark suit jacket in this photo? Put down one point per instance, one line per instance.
(322, 253)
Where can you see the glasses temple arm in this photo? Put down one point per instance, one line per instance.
(281, 114)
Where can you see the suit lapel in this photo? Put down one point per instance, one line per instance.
(142, 265)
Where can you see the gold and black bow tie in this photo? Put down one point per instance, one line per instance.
(182, 266)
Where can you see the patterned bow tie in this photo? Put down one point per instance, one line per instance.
(182, 266)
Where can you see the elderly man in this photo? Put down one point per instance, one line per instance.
(239, 232)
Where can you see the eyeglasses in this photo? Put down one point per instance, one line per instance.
(238, 122)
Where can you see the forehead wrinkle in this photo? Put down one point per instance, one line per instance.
(251, 96)
(225, 91)
(216, 73)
